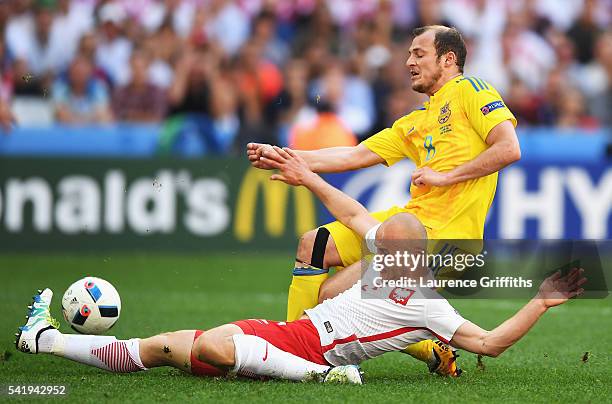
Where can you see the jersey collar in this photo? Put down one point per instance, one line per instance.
(449, 84)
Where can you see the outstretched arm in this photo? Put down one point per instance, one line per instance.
(294, 170)
(330, 160)
(555, 290)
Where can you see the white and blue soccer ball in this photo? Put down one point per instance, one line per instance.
(91, 305)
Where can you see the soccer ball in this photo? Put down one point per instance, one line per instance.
(91, 305)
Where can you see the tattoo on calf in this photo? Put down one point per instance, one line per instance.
(166, 349)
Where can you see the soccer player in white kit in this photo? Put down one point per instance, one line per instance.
(328, 342)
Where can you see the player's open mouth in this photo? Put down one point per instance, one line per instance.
(414, 75)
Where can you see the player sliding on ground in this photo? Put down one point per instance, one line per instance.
(332, 338)
(458, 140)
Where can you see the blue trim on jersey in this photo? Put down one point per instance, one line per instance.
(479, 83)
(485, 84)
(309, 272)
(421, 109)
(472, 83)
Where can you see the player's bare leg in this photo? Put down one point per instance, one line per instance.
(216, 346)
(168, 349)
(186, 350)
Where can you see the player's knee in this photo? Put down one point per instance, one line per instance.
(215, 348)
(317, 248)
(203, 347)
(305, 245)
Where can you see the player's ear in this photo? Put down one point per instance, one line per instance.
(450, 59)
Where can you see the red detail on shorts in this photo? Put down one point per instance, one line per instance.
(378, 337)
(265, 358)
(298, 337)
(199, 368)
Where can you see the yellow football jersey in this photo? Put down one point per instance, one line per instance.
(450, 129)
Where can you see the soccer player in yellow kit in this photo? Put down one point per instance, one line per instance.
(458, 140)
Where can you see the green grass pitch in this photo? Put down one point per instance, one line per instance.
(173, 292)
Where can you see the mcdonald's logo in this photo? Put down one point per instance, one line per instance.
(275, 200)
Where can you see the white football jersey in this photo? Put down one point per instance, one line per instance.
(354, 326)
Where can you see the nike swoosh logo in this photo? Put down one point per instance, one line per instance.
(266, 355)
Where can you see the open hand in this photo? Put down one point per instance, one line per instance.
(557, 289)
(254, 153)
(427, 176)
(293, 169)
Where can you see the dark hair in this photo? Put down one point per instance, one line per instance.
(447, 39)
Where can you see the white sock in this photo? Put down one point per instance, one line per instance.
(47, 340)
(104, 352)
(257, 357)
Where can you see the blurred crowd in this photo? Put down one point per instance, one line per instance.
(283, 71)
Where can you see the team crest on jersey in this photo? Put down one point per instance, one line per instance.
(445, 114)
(401, 295)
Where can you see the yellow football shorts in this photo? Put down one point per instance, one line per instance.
(351, 246)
